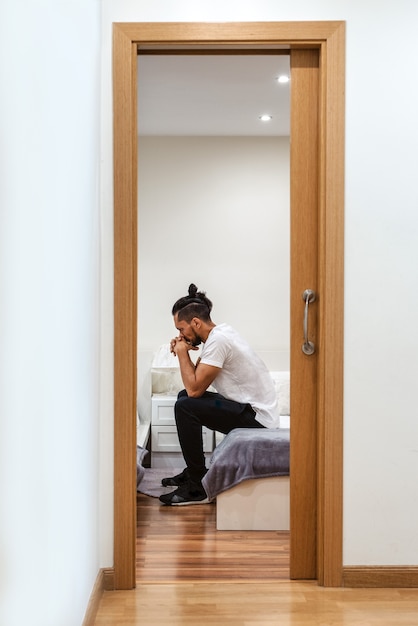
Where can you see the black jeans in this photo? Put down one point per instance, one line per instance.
(213, 411)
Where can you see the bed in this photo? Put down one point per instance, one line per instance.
(249, 477)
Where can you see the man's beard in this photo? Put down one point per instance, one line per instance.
(196, 341)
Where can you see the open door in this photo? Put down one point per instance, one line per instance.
(317, 194)
(304, 242)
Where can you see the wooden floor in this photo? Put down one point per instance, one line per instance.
(182, 544)
(256, 604)
(189, 574)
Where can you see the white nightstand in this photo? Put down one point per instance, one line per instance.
(165, 447)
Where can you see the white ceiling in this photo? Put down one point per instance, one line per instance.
(212, 94)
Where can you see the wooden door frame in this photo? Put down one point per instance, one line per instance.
(329, 39)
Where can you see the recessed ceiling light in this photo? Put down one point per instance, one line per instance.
(283, 78)
(265, 118)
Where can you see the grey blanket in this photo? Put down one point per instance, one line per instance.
(247, 453)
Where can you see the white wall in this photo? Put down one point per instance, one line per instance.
(381, 334)
(49, 311)
(214, 211)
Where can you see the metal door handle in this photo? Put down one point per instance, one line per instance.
(308, 347)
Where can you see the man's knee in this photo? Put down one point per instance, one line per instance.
(182, 402)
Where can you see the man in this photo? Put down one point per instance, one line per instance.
(245, 396)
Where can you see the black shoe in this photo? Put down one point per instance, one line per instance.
(190, 493)
(176, 481)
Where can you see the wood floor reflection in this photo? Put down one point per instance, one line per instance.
(182, 544)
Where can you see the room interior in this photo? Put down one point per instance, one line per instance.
(197, 115)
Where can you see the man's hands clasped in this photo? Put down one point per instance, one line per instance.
(179, 344)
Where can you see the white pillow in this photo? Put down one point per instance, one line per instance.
(166, 380)
(282, 385)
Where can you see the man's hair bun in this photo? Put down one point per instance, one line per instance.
(202, 304)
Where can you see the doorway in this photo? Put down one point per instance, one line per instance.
(323, 133)
(213, 209)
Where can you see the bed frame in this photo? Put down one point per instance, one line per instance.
(256, 504)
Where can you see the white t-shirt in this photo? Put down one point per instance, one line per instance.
(243, 377)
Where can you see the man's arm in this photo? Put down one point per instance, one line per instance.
(196, 378)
